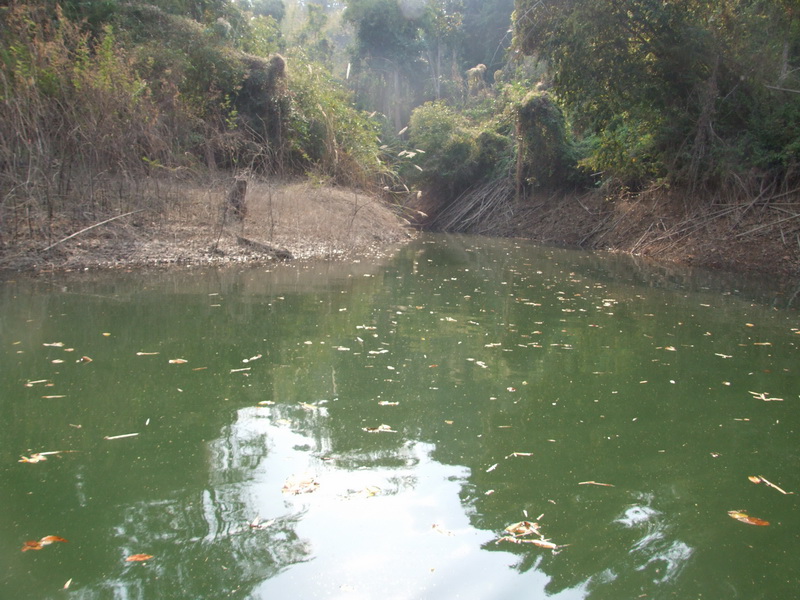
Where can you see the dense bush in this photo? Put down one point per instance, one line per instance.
(455, 153)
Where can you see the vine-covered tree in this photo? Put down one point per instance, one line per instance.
(682, 89)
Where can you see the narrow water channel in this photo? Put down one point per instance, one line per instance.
(470, 418)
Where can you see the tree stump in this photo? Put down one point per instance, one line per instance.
(236, 203)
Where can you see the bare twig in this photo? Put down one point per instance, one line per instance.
(85, 229)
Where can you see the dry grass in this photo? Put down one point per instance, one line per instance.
(309, 221)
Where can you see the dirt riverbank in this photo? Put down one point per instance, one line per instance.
(305, 221)
(282, 221)
(735, 235)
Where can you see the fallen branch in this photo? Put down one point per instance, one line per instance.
(754, 229)
(85, 229)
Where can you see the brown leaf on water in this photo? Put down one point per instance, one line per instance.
(745, 518)
(178, 361)
(39, 544)
(139, 557)
(755, 478)
(31, 545)
(49, 539)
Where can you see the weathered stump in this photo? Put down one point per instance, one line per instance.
(236, 203)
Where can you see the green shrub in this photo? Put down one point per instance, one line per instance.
(546, 155)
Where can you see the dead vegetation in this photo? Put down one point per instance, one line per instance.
(733, 231)
(739, 234)
(189, 224)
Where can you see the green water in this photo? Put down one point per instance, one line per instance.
(509, 375)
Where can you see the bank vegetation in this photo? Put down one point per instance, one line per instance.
(670, 130)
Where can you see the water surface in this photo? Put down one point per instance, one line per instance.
(428, 402)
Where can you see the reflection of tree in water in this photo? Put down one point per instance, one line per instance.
(639, 549)
(208, 542)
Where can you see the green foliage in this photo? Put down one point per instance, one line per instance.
(545, 152)
(677, 86)
(325, 133)
(455, 155)
(625, 148)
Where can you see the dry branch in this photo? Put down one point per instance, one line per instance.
(85, 229)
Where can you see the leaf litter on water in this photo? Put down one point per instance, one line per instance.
(745, 518)
(379, 429)
(138, 557)
(760, 479)
(521, 532)
(40, 456)
(39, 544)
(300, 484)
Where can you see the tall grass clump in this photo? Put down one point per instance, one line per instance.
(76, 117)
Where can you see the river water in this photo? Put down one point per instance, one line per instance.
(369, 430)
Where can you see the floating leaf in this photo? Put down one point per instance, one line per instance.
(760, 479)
(745, 518)
(387, 403)
(55, 345)
(379, 429)
(49, 539)
(178, 361)
(39, 456)
(31, 545)
(45, 541)
(595, 483)
(138, 557)
(300, 484)
(147, 353)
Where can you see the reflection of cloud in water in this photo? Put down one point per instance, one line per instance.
(654, 549)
